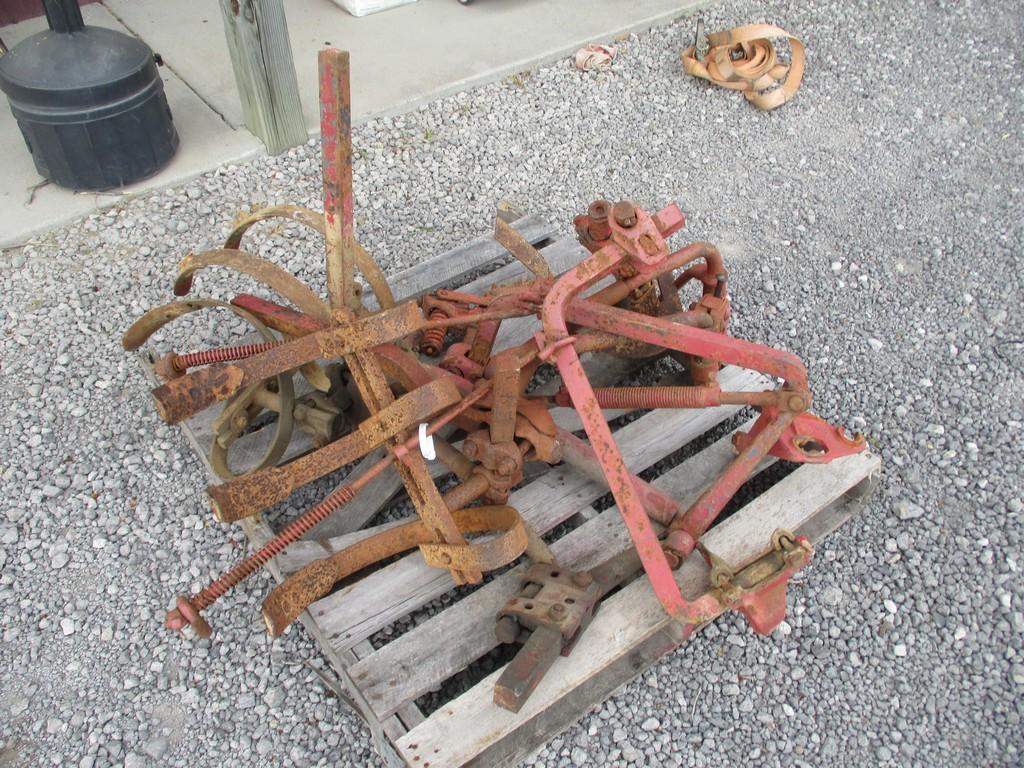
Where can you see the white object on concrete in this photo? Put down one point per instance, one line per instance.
(366, 7)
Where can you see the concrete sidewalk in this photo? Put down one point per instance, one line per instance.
(401, 58)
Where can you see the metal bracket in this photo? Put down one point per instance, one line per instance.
(548, 616)
(550, 612)
(758, 591)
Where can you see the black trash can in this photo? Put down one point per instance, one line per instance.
(89, 101)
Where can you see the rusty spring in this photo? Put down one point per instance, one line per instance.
(632, 398)
(217, 588)
(433, 338)
(182, 363)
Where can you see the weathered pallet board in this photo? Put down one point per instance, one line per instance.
(428, 655)
(630, 632)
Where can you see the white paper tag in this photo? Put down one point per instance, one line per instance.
(427, 444)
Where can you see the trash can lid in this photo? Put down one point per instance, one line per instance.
(88, 67)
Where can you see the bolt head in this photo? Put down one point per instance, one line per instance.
(598, 210)
(796, 403)
(624, 213)
(164, 367)
(184, 614)
(582, 579)
(175, 621)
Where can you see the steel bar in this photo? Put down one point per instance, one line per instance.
(519, 247)
(336, 142)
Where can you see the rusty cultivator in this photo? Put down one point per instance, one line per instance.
(432, 386)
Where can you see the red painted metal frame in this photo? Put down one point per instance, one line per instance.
(561, 306)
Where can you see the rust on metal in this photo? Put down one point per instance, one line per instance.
(185, 396)
(519, 246)
(269, 274)
(289, 599)
(509, 543)
(552, 609)
(156, 318)
(253, 493)
(367, 266)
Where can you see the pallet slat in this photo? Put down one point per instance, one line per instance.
(628, 634)
(789, 503)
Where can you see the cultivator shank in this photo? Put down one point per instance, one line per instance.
(423, 379)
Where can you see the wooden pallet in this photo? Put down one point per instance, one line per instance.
(384, 680)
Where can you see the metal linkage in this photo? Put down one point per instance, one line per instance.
(412, 369)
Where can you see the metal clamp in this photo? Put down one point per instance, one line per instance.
(758, 591)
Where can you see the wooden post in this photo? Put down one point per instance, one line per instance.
(261, 56)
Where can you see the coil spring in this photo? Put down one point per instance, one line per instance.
(216, 589)
(221, 355)
(632, 398)
(433, 338)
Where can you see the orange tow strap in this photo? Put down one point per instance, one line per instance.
(744, 59)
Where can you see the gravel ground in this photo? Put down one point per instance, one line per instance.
(872, 226)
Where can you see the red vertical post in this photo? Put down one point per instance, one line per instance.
(336, 143)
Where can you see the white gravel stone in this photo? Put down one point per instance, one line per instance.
(832, 596)
(157, 748)
(59, 560)
(908, 510)
(651, 724)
